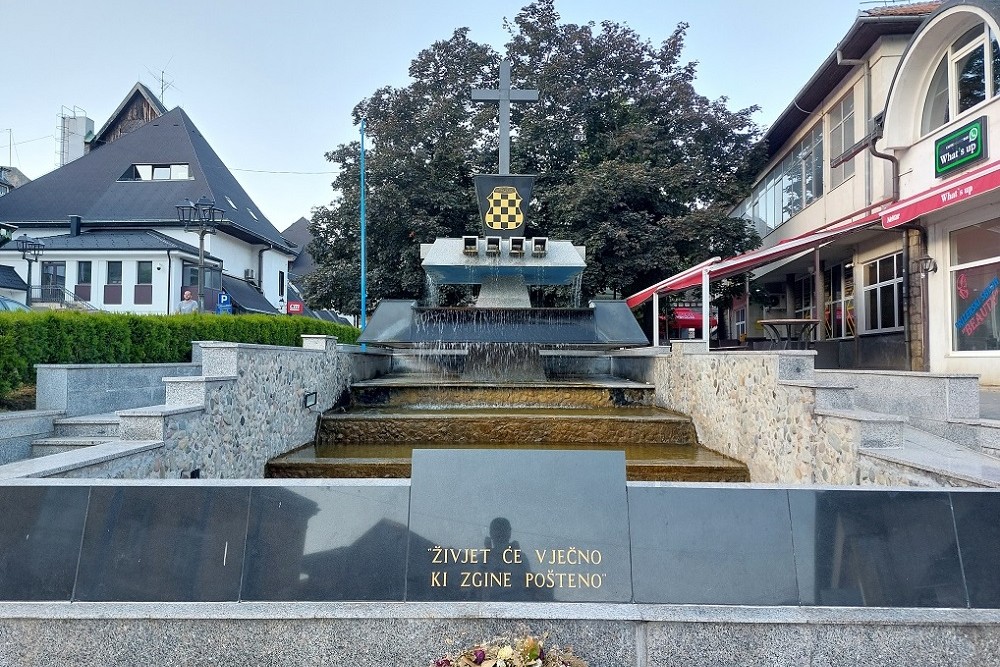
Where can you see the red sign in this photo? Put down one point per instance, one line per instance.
(954, 191)
(295, 307)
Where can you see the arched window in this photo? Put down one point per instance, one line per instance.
(966, 76)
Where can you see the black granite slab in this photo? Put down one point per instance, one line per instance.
(876, 548)
(326, 543)
(40, 533)
(977, 521)
(712, 546)
(169, 544)
(518, 526)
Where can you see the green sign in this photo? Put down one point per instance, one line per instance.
(964, 146)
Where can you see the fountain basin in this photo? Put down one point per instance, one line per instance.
(606, 325)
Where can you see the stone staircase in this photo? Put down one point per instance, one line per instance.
(74, 433)
(388, 417)
(924, 428)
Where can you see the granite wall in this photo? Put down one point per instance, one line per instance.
(375, 635)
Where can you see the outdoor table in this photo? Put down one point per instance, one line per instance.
(785, 332)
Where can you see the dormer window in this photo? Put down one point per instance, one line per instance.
(966, 76)
(157, 172)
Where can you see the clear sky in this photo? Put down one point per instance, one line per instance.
(271, 84)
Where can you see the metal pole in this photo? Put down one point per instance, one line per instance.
(27, 298)
(705, 313)
(364, 263)
(201, 269)
(656, 319)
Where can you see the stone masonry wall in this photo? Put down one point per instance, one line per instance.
(247, 408)
(740, 409)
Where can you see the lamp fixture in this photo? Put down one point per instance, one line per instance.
(201, 217)
(926, 264)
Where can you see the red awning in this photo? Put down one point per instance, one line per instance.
(688, 318)
(668, 285)
(950, 192)
(718, 269)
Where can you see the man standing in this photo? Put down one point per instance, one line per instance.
(188, 304)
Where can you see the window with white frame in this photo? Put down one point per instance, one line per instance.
(157, 172)
(883, 293)
(740, 322)
(966, 76)
(842, 138)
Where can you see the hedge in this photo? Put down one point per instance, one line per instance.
(71, 337)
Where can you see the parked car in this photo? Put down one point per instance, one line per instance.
(10, 304)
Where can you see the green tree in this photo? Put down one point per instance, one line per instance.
(631, 161)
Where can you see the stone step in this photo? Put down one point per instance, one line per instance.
(830, 395)
(877, 430)
(87, 426)
(57, 445)
(81, 462)
(658, 462)
(405, 392)
(926, 456)
(628, 425)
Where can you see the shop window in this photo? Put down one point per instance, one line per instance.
(838, 313)
(965, 77)
(975, 287)
(804, 297)
(883, 293)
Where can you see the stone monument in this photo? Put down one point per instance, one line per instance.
(503, 333)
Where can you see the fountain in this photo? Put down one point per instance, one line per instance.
(503, 373)
(502, 335)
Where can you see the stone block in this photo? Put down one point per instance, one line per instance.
(319, 342)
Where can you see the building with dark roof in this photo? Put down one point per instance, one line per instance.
(10, 178)
(110, 228)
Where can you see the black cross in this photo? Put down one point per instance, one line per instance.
(504, 95)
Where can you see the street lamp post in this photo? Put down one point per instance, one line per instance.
(31, 249)
(201, 217)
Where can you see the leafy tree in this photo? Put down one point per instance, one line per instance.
(631, 161)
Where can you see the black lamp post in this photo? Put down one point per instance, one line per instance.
(31, 249)
(201, 217)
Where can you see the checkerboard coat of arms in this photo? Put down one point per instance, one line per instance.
(503, 203)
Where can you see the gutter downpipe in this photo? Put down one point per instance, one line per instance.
(705, 333)
(170, 267)
(260, 266)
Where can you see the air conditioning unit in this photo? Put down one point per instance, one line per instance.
(248, 275)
